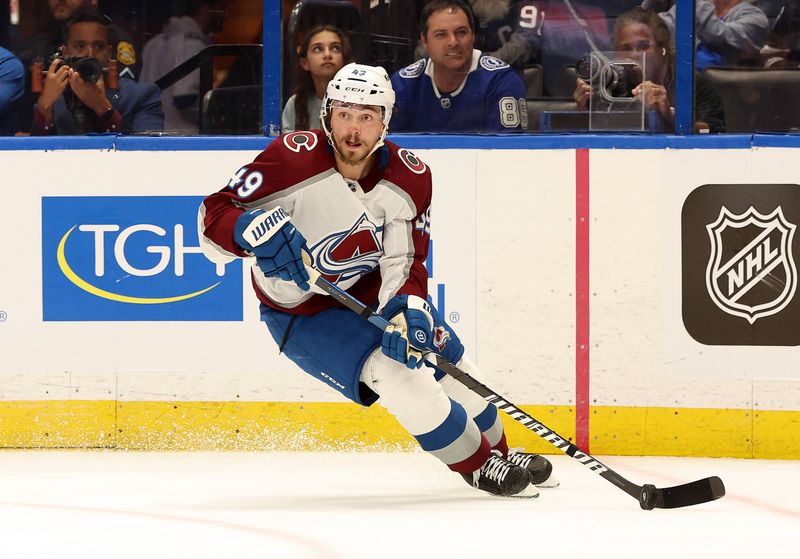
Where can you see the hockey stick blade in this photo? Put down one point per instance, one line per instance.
(649, 497)
(686, 495)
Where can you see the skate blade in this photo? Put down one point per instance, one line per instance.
(549, 483)
(529, 492)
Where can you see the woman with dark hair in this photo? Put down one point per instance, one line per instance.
(643, 31)
(324, 51)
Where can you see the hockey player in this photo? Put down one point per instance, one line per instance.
(360, 207)
(457, 88)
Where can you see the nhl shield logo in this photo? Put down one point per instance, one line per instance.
(751, 272)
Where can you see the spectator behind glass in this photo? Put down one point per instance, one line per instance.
(641, 30)
(40, 46)
(457, 88)
(181, 38)
(12, 89)
(727, 32)
(771, 7)
(782, 49)
(324, 51)
(70, 105)
(510, 30)
(551, 33)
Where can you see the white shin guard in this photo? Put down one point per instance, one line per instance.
(412, 396)
(472, 402)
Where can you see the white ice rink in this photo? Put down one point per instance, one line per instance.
(114, 505)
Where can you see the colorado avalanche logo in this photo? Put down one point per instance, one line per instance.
(349, 254)
(440, 337)
(300, 140)
(751, 271)
(411, 161)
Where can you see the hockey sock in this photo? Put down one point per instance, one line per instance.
(502, 446)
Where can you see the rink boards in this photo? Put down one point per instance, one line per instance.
(609, 273)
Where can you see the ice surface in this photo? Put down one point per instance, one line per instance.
(115, 505)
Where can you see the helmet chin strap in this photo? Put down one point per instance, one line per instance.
(377, 145)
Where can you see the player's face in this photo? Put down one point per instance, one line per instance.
(637, 37)
(88, 39)
(449, 39)
(355, 130)
(62, 10)
(325, 55)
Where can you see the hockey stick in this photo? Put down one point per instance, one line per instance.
(648, 495)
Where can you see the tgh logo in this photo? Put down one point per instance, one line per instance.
(751, 272)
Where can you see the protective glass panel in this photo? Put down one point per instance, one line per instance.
(166, 68)
(747, 66)
(375, 32)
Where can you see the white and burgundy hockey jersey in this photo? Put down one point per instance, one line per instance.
(369, 237)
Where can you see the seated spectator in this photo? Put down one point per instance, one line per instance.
(771, 7)
(182, 38)
(70, 104)
(510, 30)
(641, 30)
(12, 88)
(546, 32)
(324, 51)
(727, 32)
(782, 48)
(43, 44)
(457, 88)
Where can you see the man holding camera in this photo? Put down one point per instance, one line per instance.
(51, 34)
(78, 102)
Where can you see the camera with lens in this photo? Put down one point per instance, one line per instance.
(88, 68)
(614, 78)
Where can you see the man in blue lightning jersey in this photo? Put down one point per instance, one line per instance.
(456, 88)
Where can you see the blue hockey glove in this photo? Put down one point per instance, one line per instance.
(276, 244)
(411, 331)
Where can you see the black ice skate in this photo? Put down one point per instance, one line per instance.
(539, 467)
(500, 477)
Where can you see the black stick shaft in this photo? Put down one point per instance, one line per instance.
(490, 395)
(529, 422)
(649, 497)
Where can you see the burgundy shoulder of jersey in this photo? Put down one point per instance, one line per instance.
(292, 158)
(298, 144)
(409, 172)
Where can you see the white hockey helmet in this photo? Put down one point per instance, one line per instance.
(359, 84)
